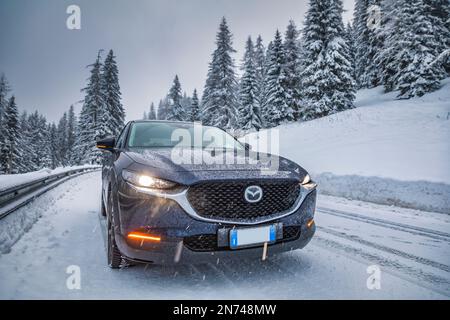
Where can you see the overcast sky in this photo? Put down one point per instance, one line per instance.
(153, 40)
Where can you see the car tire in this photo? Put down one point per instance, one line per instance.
(102, 207)
(114, 255)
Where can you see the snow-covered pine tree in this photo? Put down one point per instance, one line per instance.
(220, 101)
(277, 110)
(54, 146)
(34, 138)
(260, 72)
(10, 154)
(263, 90)
(96, 92)
(195, 107)
(4, 89)
(327, 83)
(39, 141)
(26, 149)
(145, 115)
(71, 134)
(249, 110)
(416, 75)
(248, 54)
(186, 106)
(350, 38)
(409, 51)
(384, 57)
(249, 57)
(367, 44)
(292, 68)
(94, 120)
(112, 95)
(62, 150)
(152, 113)
(27, 131)
(361, 32)
(85, 138)
(439, 14)
(163, 109)
(175, 111)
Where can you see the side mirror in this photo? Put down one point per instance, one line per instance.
(247, 146)
(106, 144)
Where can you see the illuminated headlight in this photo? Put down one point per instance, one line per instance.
(145, 181)
(308, 183)
(306, 179)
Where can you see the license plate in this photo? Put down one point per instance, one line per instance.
(249, 236)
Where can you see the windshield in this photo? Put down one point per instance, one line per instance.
(173, 134)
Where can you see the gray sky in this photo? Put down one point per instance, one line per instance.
(153, 40)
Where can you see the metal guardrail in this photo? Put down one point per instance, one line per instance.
(28, 191)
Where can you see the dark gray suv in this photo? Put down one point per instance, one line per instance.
(175, 191)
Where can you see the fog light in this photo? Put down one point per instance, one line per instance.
(143, 236)
(310, 223)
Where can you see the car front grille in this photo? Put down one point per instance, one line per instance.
(225, 199)
(202, 242)
(208, 242)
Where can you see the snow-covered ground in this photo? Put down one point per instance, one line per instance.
(385, 150)
(10, 180)
(412, 249)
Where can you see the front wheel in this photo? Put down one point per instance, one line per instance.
(114, 255)
(102, 208)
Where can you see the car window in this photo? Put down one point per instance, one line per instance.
(168, 135)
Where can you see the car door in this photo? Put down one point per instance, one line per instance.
(108, 167)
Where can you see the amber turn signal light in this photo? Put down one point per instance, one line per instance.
(310, 223)
(143, 236)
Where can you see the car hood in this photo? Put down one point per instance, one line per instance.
(206, 164)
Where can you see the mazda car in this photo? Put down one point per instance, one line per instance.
(176, 192)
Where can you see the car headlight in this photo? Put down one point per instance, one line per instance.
(307, 183)
(146, 181)
(306, 179)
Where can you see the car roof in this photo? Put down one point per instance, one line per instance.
(169, 121)
(163, 121)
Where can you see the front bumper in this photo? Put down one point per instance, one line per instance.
(166, 219)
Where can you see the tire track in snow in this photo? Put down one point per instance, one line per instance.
(399, 253)
(438, 235)
(427, 280)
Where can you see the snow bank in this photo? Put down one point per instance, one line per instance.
(421, 195)
(15, 225)
(9, 180)
(385, 150)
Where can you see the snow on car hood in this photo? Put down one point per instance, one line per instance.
(185, 159)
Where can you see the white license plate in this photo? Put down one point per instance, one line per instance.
(249, 236)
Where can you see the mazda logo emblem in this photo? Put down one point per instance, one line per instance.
(253, 194)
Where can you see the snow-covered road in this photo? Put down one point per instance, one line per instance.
(411, 248)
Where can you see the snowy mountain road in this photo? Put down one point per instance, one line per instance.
(61, 231)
